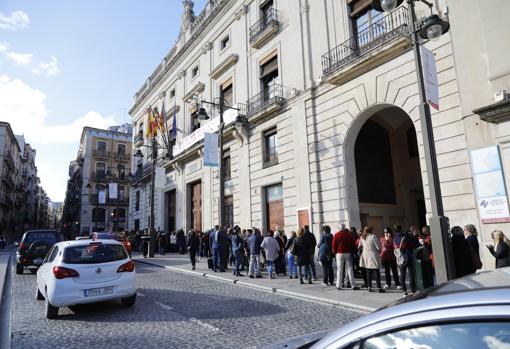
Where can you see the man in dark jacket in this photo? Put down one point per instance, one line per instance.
(326, 256)
(181, 241)
(312, 242)
(218, 239)
(254, 242)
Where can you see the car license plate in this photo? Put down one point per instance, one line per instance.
(91, 292)
(38, 261)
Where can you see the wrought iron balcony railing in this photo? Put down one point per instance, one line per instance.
(271, 95)
(385, 29)
(8, 158)
(122, 157)
(94, 200)
(268, 21)
(101, 154)
(138, 138)
(7, 179)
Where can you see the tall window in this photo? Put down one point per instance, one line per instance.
(137, 201)
(122, 191)
(366, 22)
(122, 171)
(227, 93)
(121, 150)
(227, 173)
(270, 148)
(225, 42)
(228, 211)
(101, 146)
(265, 8)
(100, 170)
(269, 77)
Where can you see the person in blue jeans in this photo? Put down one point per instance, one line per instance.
(291, 262)
(237, 249)
(216, 239)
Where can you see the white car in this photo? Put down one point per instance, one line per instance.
(85, 271)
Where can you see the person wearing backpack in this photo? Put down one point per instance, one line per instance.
(326, 256)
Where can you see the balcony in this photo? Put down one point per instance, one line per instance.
(99, 176)
(101, 154)
(122, 157)
(7, 179)
(138, 139)
(265, 29)
(94, 200)
(382, 41)
(268, 101)
(9, 159)
(143, 174)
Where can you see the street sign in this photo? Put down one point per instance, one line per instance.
(430, 77)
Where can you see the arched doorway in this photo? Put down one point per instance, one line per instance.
(387, 173)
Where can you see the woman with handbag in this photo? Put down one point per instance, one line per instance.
(371, 258)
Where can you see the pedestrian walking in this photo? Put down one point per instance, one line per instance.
(343, 248)
(301, 250)
(162, 239)
(272, 249)
(371, 258)
(462, 257)
(388, 259)
(181, 241)
(192, 245)
(254, 242)
(291, 262)
(312, 244)
(326, 256)
(501, 249)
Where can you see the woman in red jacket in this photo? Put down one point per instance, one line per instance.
(389, 261)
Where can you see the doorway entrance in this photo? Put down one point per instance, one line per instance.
(388, 174)
(195, 206)
(171, 208)
(274, 207)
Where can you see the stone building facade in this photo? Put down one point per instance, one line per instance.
(333, 134)
(104, 158)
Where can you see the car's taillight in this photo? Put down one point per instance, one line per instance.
(129, 266)
(63, 272)
(21, 246)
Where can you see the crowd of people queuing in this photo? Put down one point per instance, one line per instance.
(357, 254)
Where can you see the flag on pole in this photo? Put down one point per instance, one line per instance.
(162, 118)
(148, 131)
(154, 122)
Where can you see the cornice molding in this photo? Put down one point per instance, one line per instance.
(224, 65)
(198, 88)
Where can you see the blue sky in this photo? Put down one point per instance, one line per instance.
(68, 64)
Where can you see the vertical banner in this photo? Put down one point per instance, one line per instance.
(430, 77)
(112, 189)
(210, 149)
(101, 196)
(490, 185)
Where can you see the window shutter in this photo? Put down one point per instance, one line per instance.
(269, 67)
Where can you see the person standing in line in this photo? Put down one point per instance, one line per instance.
(461, 253)
(371, 258)
(254, 242)
(312, 244)
(501, 249)
(272, 249)
(343, 247)
(216, 247)
(301, 250)
(291, 263)
(193, 245)
(280, 261)
(237, 249)
(181, 241)
(389, 261)
(471, 234)
(162, 242)
(326, 256)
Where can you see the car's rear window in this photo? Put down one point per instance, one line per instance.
(94, 253)
(105, 236)
(47, 236)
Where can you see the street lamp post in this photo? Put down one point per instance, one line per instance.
(433, 27)
(202, 115)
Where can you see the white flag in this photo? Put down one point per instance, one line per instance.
(102, 197)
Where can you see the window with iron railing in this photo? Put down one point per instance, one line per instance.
(270, 148)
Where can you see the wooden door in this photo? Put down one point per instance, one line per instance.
(303, 218)
(274, 207)
(196, 206)
(171, 195)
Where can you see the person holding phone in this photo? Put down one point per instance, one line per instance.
(500, 249)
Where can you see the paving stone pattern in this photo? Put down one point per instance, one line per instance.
(173, 310)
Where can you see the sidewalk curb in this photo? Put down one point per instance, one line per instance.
(265, 288)
(5, 299)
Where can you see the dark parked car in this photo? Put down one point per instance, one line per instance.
(33, 248)
(470, 312)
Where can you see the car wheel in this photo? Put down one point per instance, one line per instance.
(39, 296)
(19, 268)
(129, 301)
(51, 312)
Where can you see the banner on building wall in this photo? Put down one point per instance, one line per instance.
(210, 149)
(101, 197)
(490, 185)
(430, 77)
(112, 189)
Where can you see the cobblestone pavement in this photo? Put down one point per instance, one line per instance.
(173, 310)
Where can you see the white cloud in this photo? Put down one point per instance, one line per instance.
(22, 59)
(50, 68)
(14, 21)
(27, 60)
(24, 108)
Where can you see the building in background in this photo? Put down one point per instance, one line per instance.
(97, 195)
(23, 202)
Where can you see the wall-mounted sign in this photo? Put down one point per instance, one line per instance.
(490, 185)
(430, 77)
(211, 149)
